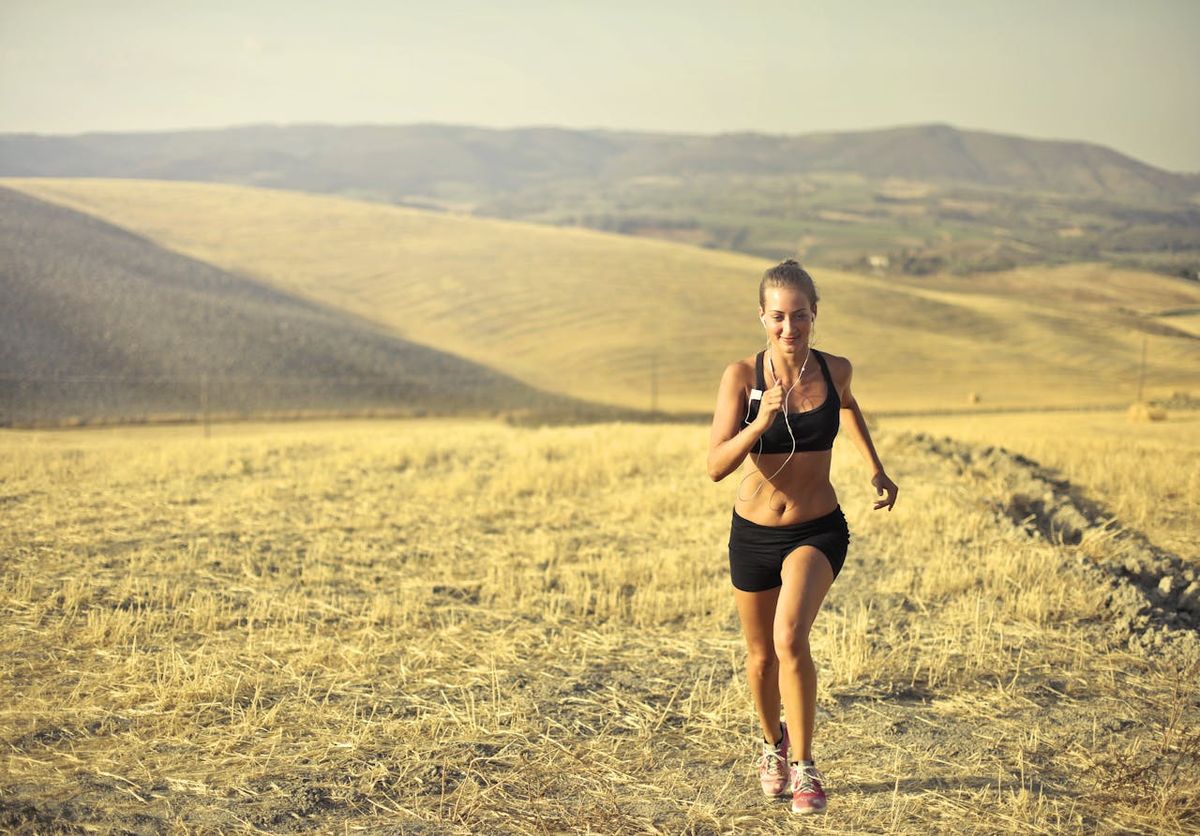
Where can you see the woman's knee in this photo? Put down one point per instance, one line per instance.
(791, 643)
(761, 660)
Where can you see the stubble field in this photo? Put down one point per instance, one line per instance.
(453, 626)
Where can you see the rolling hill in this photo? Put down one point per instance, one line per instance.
(99, 324)
(907, 200)
(614, 319)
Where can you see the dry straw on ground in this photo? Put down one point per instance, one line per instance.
(435, 626)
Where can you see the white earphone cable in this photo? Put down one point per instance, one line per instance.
(771, 360)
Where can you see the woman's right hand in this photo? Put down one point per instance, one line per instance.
(770, 406)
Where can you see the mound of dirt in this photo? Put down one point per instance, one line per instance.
(1153, 595)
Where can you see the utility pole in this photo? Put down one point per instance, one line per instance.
(1142, 372)
(653, 382)
(204, 400)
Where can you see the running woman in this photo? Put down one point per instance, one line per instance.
(788, 538)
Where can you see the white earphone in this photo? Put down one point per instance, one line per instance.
(756, 394)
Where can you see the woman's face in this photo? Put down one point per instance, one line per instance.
(788, 317)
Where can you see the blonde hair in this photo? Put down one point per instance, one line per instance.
(788, 273)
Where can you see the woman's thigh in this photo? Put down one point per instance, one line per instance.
(807, 577)
(757, 613)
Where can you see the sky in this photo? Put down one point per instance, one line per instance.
(1121, 74)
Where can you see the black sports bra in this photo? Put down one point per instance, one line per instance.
(814, 429)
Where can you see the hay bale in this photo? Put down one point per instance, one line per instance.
(1143, 413)
(973, 397)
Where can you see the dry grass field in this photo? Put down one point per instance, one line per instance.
(446, 626)
(1147, 474)
(610, 318)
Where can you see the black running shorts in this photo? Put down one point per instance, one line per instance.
(756, 552)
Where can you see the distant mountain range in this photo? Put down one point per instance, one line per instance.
(394, 162)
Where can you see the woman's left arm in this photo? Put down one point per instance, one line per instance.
(856, 429)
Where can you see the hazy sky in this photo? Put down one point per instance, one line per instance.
(1123, 74)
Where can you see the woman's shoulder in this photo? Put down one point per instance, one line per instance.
(839, 367)
(743, 370)
(831, 358)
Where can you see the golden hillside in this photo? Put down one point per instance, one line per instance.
(101, 326)
(600, 316)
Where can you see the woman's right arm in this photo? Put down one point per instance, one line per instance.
(730, 439)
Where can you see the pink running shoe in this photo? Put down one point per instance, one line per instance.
(808, 791)
(773, 766)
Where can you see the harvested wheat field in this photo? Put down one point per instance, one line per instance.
(1147, 475)
(460, 627)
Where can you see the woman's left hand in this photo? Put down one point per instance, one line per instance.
(882, 484)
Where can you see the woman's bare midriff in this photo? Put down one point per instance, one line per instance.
(801, 492)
